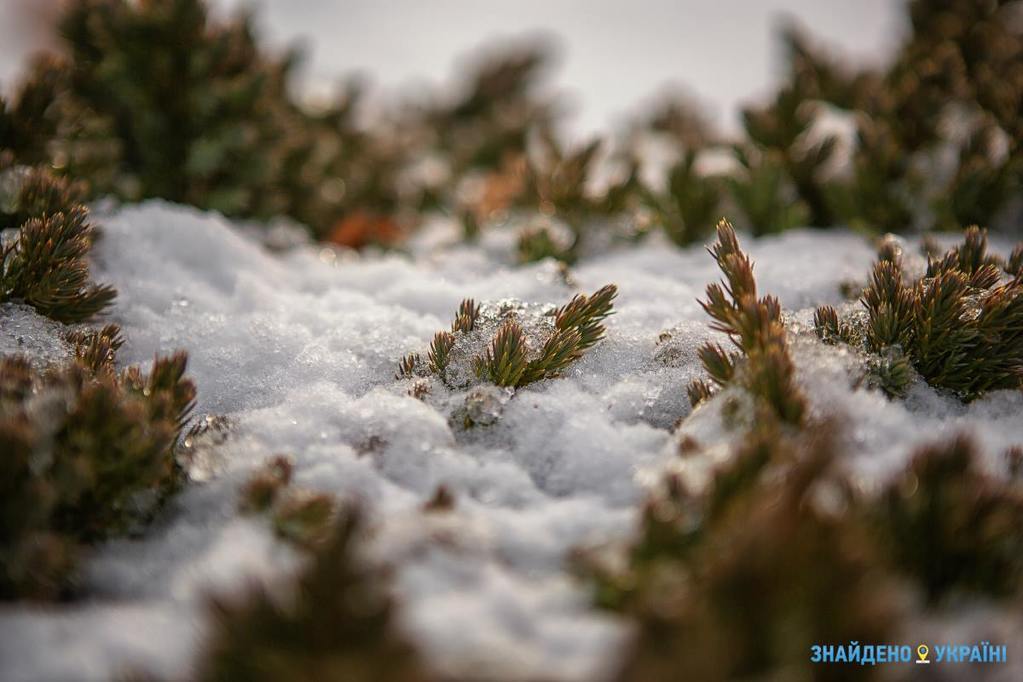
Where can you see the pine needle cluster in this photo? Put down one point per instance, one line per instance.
(88, 453)
(337, 623)
(508, 360)
(578, 326)
(952, 525)
(961, 325)
(739, 577)
(761, 361)
(45, 264)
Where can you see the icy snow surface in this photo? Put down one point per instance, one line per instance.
(299, 351)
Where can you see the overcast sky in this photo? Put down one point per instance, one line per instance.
(614, 54)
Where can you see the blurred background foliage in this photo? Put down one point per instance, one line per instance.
(157, 99)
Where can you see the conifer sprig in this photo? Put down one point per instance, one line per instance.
(504, 362)
(829, 328)
(508, 360)
(950, 524)
(99, 461)
(564, 347)
(465, 318)
(46, 268)
(960, 325)
(440, 351)
(97, 350)
(1015, 264)
(586, 314)
(755, 328)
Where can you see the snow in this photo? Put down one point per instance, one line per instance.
(298, 350)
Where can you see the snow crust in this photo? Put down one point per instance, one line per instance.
(299, 349)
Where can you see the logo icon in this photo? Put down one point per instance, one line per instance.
(922, 651)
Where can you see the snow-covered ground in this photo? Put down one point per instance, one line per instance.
(298, 350)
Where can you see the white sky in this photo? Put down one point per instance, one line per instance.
(614, 54)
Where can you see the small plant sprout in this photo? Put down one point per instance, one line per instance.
(828, 327)
(504, 362)
(762, 363)
(465, 319)
(960, 325)
(408, 366)
(586, 314)
(513, 358)
(440, 351)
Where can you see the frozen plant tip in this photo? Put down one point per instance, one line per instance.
(754, 326)
(586, 314)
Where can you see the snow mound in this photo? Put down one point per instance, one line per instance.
(299, 350)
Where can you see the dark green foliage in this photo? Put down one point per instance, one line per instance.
(944, 73)
(564, 347)
(779, 550)
(689, 208)
(890, 372)
(46, 268)
(491, 120)
(156, 99)
(538, 242)
(830, 328)
(953, 526)
(98, 460)
(556, 184)
(760, 192)
(507, 361)
(586, 315)
(504, 362)
(337, 623)
(739, 579)
(787, 165)
(34, 192)
(960, 325)
(45, 264)
(441, 347)
(754, 326)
